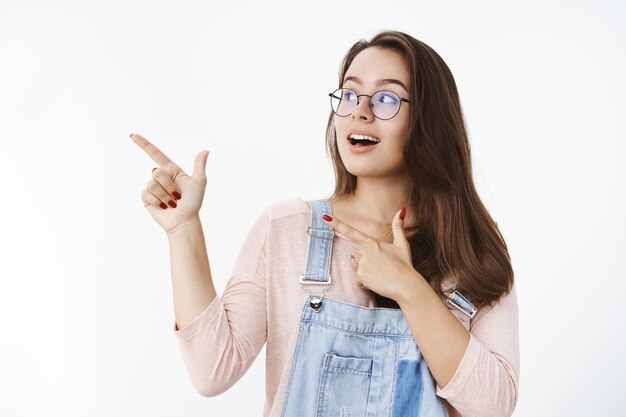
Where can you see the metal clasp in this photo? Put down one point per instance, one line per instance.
(462, 304)
(315, 301)
(303, 281)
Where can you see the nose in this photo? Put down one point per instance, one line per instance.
(362, 111)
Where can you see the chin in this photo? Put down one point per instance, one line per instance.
(366, 169)
(363, 171)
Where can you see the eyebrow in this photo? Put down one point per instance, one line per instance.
(379, 82)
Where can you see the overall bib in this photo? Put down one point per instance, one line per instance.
(349, 360)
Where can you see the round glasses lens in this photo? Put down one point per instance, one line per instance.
(385, 104)
(343, 101)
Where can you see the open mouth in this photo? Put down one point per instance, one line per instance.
(361, 140)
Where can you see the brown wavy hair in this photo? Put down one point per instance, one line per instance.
(454, 235)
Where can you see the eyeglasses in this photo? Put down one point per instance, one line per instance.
(384, 104)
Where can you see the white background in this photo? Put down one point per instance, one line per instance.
(86, 306)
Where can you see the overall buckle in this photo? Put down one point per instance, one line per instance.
(315, 301)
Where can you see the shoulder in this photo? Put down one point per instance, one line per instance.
(278, 220)
(284, 216)
(282, 209)
(503, 313)
(281, 226)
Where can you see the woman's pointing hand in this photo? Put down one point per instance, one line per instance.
(384, 268)
(171, 196)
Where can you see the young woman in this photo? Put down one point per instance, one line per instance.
(393, 297)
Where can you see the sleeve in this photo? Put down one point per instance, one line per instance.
(220, 345)
(486, 383)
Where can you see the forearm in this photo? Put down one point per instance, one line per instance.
(440, 336)
(192, 284)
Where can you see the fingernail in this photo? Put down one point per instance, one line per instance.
(402, 213)
(176, 195)
(172, 203)
(163, 206)
(328, 218)
(131, 135)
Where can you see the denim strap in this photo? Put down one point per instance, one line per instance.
(320, 243)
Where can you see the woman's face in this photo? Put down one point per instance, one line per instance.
(370, 71)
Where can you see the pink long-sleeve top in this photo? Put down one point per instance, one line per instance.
(262, 303)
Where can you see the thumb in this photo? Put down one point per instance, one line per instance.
(199, 165)
(399, 238)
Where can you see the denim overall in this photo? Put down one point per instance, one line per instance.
(353, 361)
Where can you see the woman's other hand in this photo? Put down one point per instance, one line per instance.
(171, 196)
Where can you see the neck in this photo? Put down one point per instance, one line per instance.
(378, 199)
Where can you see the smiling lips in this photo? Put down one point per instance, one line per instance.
(363, 134)
(361, 141)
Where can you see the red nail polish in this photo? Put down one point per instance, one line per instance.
(171, 203)
(402, 213)
(163, 205)
(176, 195)
(328, 218)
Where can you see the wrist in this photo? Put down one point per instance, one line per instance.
(191, 225)
(413, 286)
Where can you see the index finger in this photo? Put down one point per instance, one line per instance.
(350, 232)
(152, 151)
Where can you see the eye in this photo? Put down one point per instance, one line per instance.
(349, 95)
(387, 97)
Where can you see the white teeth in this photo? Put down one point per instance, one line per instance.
(363, 137)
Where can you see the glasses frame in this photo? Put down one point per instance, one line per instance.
(358, 101)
